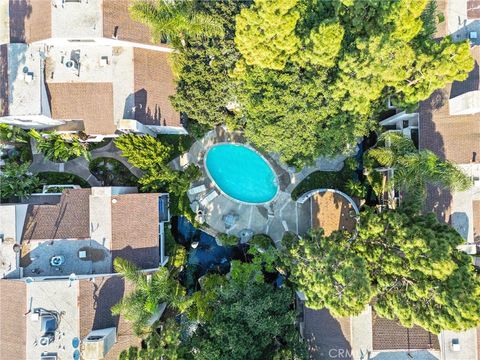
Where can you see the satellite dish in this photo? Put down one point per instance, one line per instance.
(29, 280)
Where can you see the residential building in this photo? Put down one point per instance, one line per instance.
(87, 67)
(57, 282)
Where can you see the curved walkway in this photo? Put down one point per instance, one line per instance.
(80, 166)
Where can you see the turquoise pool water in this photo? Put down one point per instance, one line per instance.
(241, 173)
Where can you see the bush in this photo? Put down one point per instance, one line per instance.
(60, 148)
(228, 240)
(112, 172)
(262, 241)
(56, 178)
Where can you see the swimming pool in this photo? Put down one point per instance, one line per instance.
(241, 173)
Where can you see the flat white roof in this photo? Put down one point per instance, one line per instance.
(83, 19)
(25, 79)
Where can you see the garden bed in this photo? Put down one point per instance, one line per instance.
(111, 172)
(57, 178)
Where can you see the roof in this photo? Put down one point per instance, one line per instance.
(87, 101)
(331, 212)
(117, 22)
(30, 20)
(154, 84)
(323, 332)
(473, 9)
(137, 239)
(69, 219)
(95, 301)
(13, 306)
(389, 335)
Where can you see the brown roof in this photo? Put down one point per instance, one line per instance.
(473, 9)
(117, 22)
(135, 229)
(331, 212)
(69, 219)
(30, 20)
(95, 301)
(4, 82)
(439, 201)
(13, 306)
(323, 332)
(389, 335)
(154, 84)
(442, 28)
(90, 102)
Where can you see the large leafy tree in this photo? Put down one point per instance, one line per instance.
(265, 33)
(16, 181)
(350, 55)
(420, 276)
(414, 169)
(176, 21)
(251, 320)
(58, 147)
(150, 291)
(205, 90)
(329, 271)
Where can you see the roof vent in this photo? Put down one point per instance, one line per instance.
(455, 345)
(98, 343)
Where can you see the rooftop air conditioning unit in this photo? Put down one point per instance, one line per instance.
(98, 343)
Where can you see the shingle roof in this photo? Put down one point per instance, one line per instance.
(117, 21)
(389, 335)
(154, 84)
(30, 20)
(135, 229)
(13, 306)
(323, 332)
(90, 102)
(95, 301)
(69, 219)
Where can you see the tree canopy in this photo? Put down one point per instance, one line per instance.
(317, 95)
(16, 181)
(407, 263)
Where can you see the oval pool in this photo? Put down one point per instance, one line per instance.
(241, 173)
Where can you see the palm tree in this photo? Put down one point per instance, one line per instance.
(414, 169)
(56, 147)
(174, 21)
(150, 292)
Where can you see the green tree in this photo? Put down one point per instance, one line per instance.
(13, 134)
(166, 345)
(420, 276)
(205, 91)
(265, 33)
(16, 181)
(58, 147)
(322, 96)
(143, 151)
(176, 21)
(329, 271)
(150, 291)
(414, 169)
(252, 320)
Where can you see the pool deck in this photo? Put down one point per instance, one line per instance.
(274, 218)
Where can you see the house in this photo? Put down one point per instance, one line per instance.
(57, 282)
(73, 77)
(369, 336)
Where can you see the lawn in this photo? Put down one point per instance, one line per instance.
(324, 179)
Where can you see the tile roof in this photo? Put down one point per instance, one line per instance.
(442, 28)
(154, 84)
(13, 306)
(90, 102)
(331, 212)
(69, 219)
(117, 21)
(473, 9)
(95, 301)
(439, 202)
(30, 20)
(389, 335)
(323, 332)
(137, 239)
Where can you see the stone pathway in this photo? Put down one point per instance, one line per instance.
(79, 166)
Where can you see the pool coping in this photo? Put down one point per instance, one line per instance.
(276, 180)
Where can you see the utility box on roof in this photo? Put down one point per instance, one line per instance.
(98, 343)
